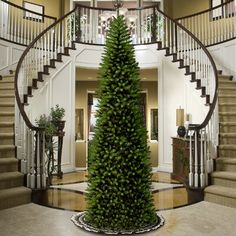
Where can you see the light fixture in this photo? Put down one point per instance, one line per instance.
(181, 131)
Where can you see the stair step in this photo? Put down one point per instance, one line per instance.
(6, 127)
(224, 178)
(227, 91)
(227, 107)
(9, 78)
(11, 180)
(14, 196)
(8, 164)
(227, 150)
(7, 151)
(227, 98)
(6, 84)
(225, 77)
(6, 138)
(7, 106)
(225, 83)
(7, 98)
(227, 116)
(221, 195)
(6, 90)
(7, 116)
(228, 138)
(226, 164)
(228, 127)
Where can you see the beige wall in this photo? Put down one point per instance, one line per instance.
(51, 7)
(179, 8)
(83, 85)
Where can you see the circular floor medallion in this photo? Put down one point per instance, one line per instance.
(79, 221)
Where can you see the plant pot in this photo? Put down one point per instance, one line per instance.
(60, 125)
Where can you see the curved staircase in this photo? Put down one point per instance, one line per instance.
(12, 190)
(223, 179)
(47, 50)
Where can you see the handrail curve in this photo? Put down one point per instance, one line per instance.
(31, 45)
(214, 25)
(20, 25)
(25, 9)
(89, 25)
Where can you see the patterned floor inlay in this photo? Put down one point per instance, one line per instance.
(81, 187)
(69, 193)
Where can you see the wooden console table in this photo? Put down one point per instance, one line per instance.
(180, 148)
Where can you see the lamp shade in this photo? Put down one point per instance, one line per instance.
(179, 117)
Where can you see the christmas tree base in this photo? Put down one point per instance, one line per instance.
(79, 221)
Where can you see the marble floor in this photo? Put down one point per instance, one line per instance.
(68, 193)
(51, 216)
(200, 219)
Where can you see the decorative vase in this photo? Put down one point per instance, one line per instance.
(181, 131)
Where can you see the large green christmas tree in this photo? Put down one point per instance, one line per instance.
(119, 196)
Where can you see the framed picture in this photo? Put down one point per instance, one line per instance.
(35, 8)
(154, 124)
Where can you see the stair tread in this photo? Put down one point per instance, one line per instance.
(4, 124)
(10, 175)
(228, 123)
(227, 82)
(7, 95)
(227, 103)
(227, 146)
(6, 81)
(227, 113)
(7, 88)
(6, 113)
(7, 147)
(6, 193)
(224, 175)
(6, 135)
(229, 88)
(7, 104)
(221, 190)
(9, 160)
(226, 96)
(226, 160)
(228, 134)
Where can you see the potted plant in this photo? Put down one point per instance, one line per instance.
(57, 113)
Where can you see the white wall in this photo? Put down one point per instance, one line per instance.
(224, 55)
(175, 90)
(10, 54)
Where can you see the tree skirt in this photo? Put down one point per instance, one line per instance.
(79, 221)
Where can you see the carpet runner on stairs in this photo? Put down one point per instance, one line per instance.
(223, 179)
(12, 190)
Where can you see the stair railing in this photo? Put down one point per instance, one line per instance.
(147, 25)
(41, 54)
(20, 25)
(214, 25)
(192, 55)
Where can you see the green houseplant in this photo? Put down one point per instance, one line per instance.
(53, 126)
(56, 114)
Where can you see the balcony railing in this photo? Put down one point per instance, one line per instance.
(20, 25)
(213, 26)
(89, 25)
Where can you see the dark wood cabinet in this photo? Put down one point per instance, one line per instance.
(180, 148)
